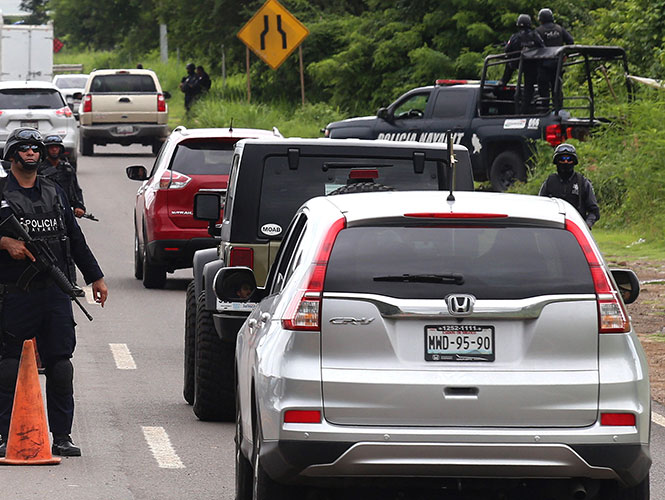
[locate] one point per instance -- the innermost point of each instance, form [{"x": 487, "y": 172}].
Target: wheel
[
  {"x": 506, "y": 168},
  {"x": 214, "y": 385},
  {"x": 156, "y": 147},
  {"x": 244, "y": 472},
  {"x": 87, "y": 147},
  {"x": 154, "y": 276},
  {"x": 138, "y": 258},
  {"x": 611, "y": 491},
  {"x": 190, "y": 342}
]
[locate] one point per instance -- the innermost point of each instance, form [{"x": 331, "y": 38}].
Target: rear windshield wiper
[
  {"x": 39, "y": 106},
  {"x": 451, "y": 278}
]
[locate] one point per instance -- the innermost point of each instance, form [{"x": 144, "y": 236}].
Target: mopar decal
[{"x": 271, "y": 229}]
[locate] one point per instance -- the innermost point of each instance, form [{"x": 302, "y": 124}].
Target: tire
[
  {"x": 611, "y": 491},
  {"x": 244, "y": 472},
  {"x": 214, "y": 384},
  {"x": 190, "y": 343},
  {"x": 361, "y": 187},
  {"x": 138, "y": 258},
  {"x": 154, "y": 276},
  {"x": 87, "y": 147},
  {"x": 507, "y": 168},
  {"x": 156, "y": 147}
]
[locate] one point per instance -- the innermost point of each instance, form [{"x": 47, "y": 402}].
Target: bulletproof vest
[
  {"x": 60, "y": 173},
  {"x": 552, "y": 34},
  {"x": 527, "y": 39},
  {"x": 573, "y": 195}
]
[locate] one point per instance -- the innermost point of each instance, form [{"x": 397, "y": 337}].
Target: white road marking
[
  {"x": 160, "y": 445},
  {"x": 123, "y": 358},
  {"x": 657, "y": 419}
]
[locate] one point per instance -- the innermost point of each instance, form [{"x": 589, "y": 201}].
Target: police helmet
[
  {"x": 190, "y": 67},
  {"x": 545, "y": 16},
  {"x": 563, "y": 150},
  {"x": 524, "y": 21},
  {"x": 20, "y": 136},
  {"x": 54, "y": 140}
]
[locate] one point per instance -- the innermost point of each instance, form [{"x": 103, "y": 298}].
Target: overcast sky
[{"x": 10, "y": 7}]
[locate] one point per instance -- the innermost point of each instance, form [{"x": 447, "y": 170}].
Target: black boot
[
  {"x": 63, "y": 446},
  {"x": 3, "y": 447}
]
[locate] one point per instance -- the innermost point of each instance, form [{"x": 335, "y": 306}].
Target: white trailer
[{"x": 26, "y": 51}]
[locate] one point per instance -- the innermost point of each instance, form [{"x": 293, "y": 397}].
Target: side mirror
[
  {"x": 137, "y": 172},
  {"x": 207, "y": 206},
  {"x": 166, "y": 94},
  {"x": 628, "y": 283},
  {"x": 234, "y": 284},
  {"x": 77, "y": 96},
  {"x": 384, "y": 114}
]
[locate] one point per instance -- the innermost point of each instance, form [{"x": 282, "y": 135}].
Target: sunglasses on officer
[
  {"x": 28, "y": 147},
  {"x": 565, "y": 158}
]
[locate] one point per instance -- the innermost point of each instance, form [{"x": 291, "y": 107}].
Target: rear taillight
[
  {"x": 161, "y": 103},
  {"x": 304, "y": 311},
  {"x": 554, "y": 134},
  {"x": 87, "y": 103},
  {"x": 64, "y": 112},
  {"x": 173, "y": 180},
  {"x": 241, "y": 256},
  {"x": 617, "y": 419},
  {"x": 612, "y": 316}
]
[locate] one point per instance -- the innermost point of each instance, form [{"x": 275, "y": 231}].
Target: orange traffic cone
[{"x": 28, "y": 442}]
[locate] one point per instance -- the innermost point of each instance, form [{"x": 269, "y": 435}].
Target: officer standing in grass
[
  {"x": 570, "y": 185},
  {"x": 43, "y": 310},
  {"x": 190, "y": 85}
]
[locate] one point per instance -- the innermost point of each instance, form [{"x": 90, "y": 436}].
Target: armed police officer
[
  {"x": 38, "y": 308},
  {"x": 190, "y": 85},
  {"x": 526, "y": 38},
  {"x": 553, "y": 35},
  {"x": 570, "y": 185},
  {"x": 56, "y": 168}
]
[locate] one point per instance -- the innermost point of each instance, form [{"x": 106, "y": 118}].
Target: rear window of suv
[
  {"x": 30, "y": 99},
  {"x": 283, "y": 189},
  {"x": 122, "y": 83},
  {"x": 203, "y": 157},
  {"x": 494, "y": 263}
]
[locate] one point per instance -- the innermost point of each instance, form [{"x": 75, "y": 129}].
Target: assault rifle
[
  {"x": 89, "y": 216},
  {"x": 45, "y": 261}
]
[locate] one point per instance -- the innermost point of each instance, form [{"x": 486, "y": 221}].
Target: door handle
[{"x": 124, "y": 99}]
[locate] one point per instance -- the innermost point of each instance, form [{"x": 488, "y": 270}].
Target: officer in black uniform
[
  {"x": 56, "y": 168},
  {"x": 570, "y": 185},
  {"x": 204, "y": 79},
  {"x": 554, "y": 36},
  {"x": 43, "y": 311},
  {"x": 525, "y": 38},
  {"x": 190, "y": 85}
]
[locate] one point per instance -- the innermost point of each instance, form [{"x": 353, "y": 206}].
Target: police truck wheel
[
  {"x": 87, "y": 147},
  {"x": 214, "y": 385},
  {"x": 138, "y": 258},
  {"x": 190, "y": 343},
  {"x": 154, "y": 276},
  {"x": 507, "y": 168}
]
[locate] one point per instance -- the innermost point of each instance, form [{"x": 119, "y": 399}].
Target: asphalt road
[{"x": 139, "y": 438}]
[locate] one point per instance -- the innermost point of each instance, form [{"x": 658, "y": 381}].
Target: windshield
[
  {"x": 71, "y": 82},
  {"x": 203, "y": 157},
  {"x": 30, "y": 99}
]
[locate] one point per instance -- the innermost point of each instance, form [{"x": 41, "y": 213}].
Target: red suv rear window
[{"x": 203, "y": 157}]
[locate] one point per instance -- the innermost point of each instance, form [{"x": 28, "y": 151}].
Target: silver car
[
  {"x": 71, "y": 85},
  {"x": 38, "y": 105},
  {"x": 481, "y": 343}
]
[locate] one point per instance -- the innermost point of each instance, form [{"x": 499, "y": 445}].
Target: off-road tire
[
  {"x": 190, "y": 343},
  {"x": 214, "y": 383},
  {"x": 87, "y": 147},
  {"x": 361, "y": 187},
  {"x": 507, "y": 168},
  {"x": 154, "y": 276}
]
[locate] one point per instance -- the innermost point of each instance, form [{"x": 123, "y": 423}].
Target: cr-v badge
[
  {"x": 460, "y": 305},
  {"x": 351, "y": 321}
]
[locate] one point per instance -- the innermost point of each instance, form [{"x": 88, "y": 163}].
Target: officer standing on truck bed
[
  {"x": 554, "y": 36},
  {"x": 43, "y": 310},
  {"x": 570, "y": 185}
]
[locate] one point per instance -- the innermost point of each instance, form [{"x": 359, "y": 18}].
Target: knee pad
[
  {"x": 60, "y": 376},
  {"x": 8, "y": 374}
]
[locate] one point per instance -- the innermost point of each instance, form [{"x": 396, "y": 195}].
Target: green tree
[{"x": 37, "y": 10}]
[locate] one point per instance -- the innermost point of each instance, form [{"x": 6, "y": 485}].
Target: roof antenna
[
  {"x": 231, "y": 126},
  {"x": 451, "y": 163}
]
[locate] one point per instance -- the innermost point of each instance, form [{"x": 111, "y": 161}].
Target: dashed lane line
[
  {"x": 123, "y": 358},
  {"x": 160, "y": 445},
  {"x": 657, "y": 419}
]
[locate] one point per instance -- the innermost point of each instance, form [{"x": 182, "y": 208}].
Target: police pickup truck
[{"x": 484, "y": 115}]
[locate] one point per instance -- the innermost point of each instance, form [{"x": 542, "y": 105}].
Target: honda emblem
[{"x": 460, "y": 305}]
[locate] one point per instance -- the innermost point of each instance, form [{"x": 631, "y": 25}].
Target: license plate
[
  {"x": 125, "y": 129},
  {"x": 459, "y": 343},
  {"x": 30, "y": 124}
]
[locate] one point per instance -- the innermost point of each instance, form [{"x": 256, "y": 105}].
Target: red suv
[{"x": 165, "y": 233}]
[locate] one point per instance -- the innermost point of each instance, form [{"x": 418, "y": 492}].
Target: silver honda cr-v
[{"x": 481, "y": 343}]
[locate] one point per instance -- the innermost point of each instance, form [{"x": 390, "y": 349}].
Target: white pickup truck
[{"x": 123, "y": 106}]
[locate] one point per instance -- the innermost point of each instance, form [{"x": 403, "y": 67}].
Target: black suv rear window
[
  {"x": 123, "y": 83},
  {"x": 30, "y": 99},
  {"x": 284, "y": 190},
  {"x": 494, "y": 263},
  {"x": 203, "y": 157}
]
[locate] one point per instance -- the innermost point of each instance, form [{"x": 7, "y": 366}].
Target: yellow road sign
[{"x": 273, "y": 33}]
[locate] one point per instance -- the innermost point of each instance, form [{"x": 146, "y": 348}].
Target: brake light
[
  {"x": 617, "y": 419},
  {"x": 304, "y": 311},
  {"x": 450, "y": 215},
  {"x": 302, "y": 417},
  {"x": 554, "y": 134},
  {"x": 87, "y": 103},
  {"x": 173, "y": 180},
  {"x": 241, "y": 256},
  {"x": 612, "y": 315},
  {"x": 64, "y": 111},
  {"x": 161, "y": 103},
  {"x": 364, "y": 173}
]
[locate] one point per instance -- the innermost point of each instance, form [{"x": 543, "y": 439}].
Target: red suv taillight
[
  {"x": 173, "y": 180},
  {"x": 161, "y": 103},
  {"x": 612, "y": 316},
  {"x": 64, "y": 111},
  {"x": 87, "y": 103},
  {"x": 304, "y": 311},
  {"x": 241, "y": 256},
  {"x": 554, "y": 134}
]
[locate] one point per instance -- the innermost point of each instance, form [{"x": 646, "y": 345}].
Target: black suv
[{"x": 269, "y": 180}]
